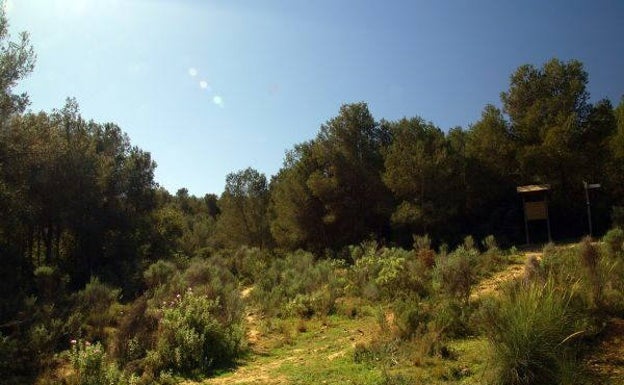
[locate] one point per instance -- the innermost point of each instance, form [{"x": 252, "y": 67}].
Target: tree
[
  {"x": 17, "y": 60},
  {"x": 243, "y": 204},
  {"x": 547, "y": 108},
  {"x": 347, "y": 180},
  {"x": 492, "y": 174},
  {"x": 296, "y": 214},
  {"x": 420, "y": 171}
]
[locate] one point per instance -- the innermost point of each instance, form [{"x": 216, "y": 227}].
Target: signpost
[{"x": 587, "y": 188}]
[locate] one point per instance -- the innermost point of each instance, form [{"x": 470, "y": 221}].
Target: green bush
[
  {"x": 410, "y": 318},
  {"x": 94, "y": 311},
  {"x": 390, "y": 273},
  {"x": 298, "y": 286},
  {"x": 532, "y": 330},
  {"x": 455, "y": 272},
  {"x": 614, "y": 240},
  {"x": 92, "y": 366},
  {"x": 159, "y": 273},
  {"x": 194, "y": 338}
]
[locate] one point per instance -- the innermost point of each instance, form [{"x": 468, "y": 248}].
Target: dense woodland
[{"x": 84, "y": 224}]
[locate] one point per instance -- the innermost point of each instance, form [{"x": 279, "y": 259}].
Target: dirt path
[
  {"x": 607, "y": 359},
  {"x": 493, "y": 284}
]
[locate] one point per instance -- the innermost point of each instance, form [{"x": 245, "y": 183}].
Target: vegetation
[{"x": 372, "y": 236}]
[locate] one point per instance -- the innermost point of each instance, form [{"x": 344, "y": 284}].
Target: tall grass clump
[
  {"x": 533, "y": 332},
  {"x": 590, "y": 260}
]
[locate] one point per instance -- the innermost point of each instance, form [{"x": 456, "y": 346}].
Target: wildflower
[
  {"x": 73, "y": 342},
  {"x": 178, "y": 295},
  {"x": 87, "y": 343}
]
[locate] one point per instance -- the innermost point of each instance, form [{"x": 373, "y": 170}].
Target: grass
[{"x": 324, "y": 354}]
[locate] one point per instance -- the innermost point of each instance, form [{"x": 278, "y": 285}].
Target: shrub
[
  {"x": 93, "y": 310},
  {"x": 92, "y": 367},
  {"x": 159, "y": 273},
  {"x": 614, "y": 240},
  {"x": 389, "y": 273},
  {"x": 532, "y": 332},
  {"x": 50, "y": 283},
  {"x": 455, "y": 272},
  {"x": 410, "y": 318},
  {"x": 193, "y": 339},
  {"x": 423, "y": 250},
  {"x": 533, "y": 271},
  {"x": 298, "y": 286}
]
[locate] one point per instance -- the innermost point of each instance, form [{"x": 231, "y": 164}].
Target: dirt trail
[
  {"x": 607, "y": 360},
  {"x": 494, "y": 283}
]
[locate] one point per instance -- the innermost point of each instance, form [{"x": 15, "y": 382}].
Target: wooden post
[
  {"x": 526, "y": 221},
  {"x": 547, "y": 218}
]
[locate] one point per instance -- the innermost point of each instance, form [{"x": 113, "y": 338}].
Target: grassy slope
[{"x": 322, "y": 352}]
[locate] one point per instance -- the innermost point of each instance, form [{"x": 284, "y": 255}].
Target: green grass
[{"x": 324, "y": 354}]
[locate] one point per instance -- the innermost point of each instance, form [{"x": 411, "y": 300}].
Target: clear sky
[{"x": 214, "y": 86}]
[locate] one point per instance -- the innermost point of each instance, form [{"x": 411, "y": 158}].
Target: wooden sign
[{"x": 535, "y": 210}]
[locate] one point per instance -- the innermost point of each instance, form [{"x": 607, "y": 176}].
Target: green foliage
[
  {"x": 92, "y": 366},
  {"x": 455, "y": 272},
  {"x": 78, "y": 201},
  {"x": 614, "y": 239},
  {"x": 298, "y": 286},
  {"x": 94, "y": 310},
  {"x": 418, "y": 170},
  {"x": 159, "y": 273},
  {"x": 388, "y": 273},
  {"x": 193, "y": 338},
  {"x": 244, "y": 208}
]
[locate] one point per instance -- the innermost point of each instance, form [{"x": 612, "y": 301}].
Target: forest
[{"x": 108, "y": 278}]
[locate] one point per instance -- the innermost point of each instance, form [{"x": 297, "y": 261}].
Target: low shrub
[
  {"x": 614, "y": 240},
  {"x": 193, "y": 338},
  {"x": 91, "y": 366},
  {"x": 298, "y": 286},
  {"x": 389, "y": 273},
  {"x": 93, "y": 311},
  {"x": 455, "y": 272}
]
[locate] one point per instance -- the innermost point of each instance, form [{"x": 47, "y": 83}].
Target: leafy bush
[
  {"x": 298, "y": 286},
  {"x": 455, "y": 272},
  {"x": 94, "y": 310},
  {"x": 92, "y": 366},
  {"x": 614, "y": 239},
  {"x": 194, "y": 338},
  {"x": 159, "y": 273},
  {"x": 389, "y": 273},
  {"x": 50, "y": 283}
]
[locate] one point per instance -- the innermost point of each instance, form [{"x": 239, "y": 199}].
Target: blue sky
[{"x": 212, "y": 87}]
